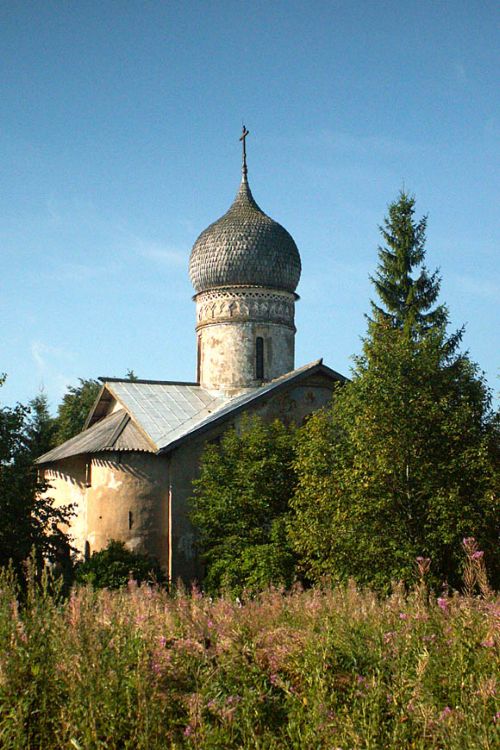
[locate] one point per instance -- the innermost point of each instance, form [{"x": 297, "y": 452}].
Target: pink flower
[
  {"x": 496, "y": 718},
  {"x": 188, "y": 731},
  {"x": 478, "y": 554},
  {"x": 442, "y": 603},
  {"x": 488, "y": 643},
  {"x": 445, "y": 713},
  {"x": 403, "y": 616}
]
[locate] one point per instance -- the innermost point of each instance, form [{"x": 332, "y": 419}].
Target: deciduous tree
[
  {"x": 74, "y": 408},
  {"x": 240, "y": 506},
  {"x": 28, "y": 518}
]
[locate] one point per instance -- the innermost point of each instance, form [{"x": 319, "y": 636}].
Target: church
[{"x": 129, "y": 473}]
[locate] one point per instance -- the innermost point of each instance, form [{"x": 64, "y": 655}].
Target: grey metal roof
[
  {"x": 245, "y": 247},
  {"x": 167, "y": 413},
  {"x": 162, "y": 409},
  {"x": 238, "y": 403},
  {"x": 115, "y": 432}
]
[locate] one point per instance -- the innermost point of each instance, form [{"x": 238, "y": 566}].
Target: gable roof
[
  {"x": 117, "y": 431},
  {"x": 156, "y": 416}
]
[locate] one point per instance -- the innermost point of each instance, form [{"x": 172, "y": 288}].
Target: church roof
[
  {"x": 158, "y": 416},
  {"x": 245, "y": 247},
  {"x": 117, "y": 431}
]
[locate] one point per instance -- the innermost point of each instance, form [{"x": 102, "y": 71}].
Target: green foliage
[
  {"x": 114, "y": 566},
  {"x": 407, "y": 300},
  {"x": 402, "y": 465},
  {"x": 325, "y": 668},
  {"x": 41, "y": 427},
  {"x": 240, "y": 505},
  {"x": 29, "y": 519},
  {"x": 74, "y": 409}
]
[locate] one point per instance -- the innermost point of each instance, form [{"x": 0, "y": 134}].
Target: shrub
[{"x": 115, "y": 566}]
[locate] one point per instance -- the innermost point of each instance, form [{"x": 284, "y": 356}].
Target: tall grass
[{"x": 322, "y": 668}]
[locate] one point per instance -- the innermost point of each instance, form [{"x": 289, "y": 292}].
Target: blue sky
[{"x": 119, "y": 144}]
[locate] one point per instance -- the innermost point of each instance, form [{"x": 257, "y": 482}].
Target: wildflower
[
  {"x": 388, "y": 636},
  {"x": 488, "y": 643},
  {"x": 478, "y": 554},
  {"x": 442, "y": 603},
  {"x": 188, "y": 731},
  {"x": 423, "y": 564},
  {"x": 447, "y": 711},
  {"x": 210, "y": 624},
  {"x": 403, "y": 616},
  {"x": 496, "y": 718}
]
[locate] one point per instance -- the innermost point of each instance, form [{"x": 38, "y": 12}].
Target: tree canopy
[
  {"x": 75, "y": 407},
  {"x": 402, "y": 464},
  {"x": 240, "y": 506},
  {"x": 29, "y": 518}
]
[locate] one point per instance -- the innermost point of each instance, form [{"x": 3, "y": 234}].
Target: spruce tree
[
  {"x": 402, "y": 465},
  {"x": 407, "y": 301}
]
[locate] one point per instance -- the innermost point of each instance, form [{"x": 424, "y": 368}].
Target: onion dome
[{"x": 245, "y": 248}]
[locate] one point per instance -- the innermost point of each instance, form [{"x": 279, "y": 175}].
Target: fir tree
[
  {"x": 403, "y": 464},
  {"x": 407, "y": 300}
]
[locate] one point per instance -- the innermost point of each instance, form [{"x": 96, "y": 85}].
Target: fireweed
[{"x": 140, "y": 669}]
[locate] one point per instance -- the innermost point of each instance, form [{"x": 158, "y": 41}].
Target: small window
[
  {"x": 198, "y": 361},
  {"x": 259, "y": 358},
  {"x": 130, "y": 519},
  {"x": 88, "y": 472}
]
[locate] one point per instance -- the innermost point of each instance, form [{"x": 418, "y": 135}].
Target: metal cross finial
[{"x": 243, "y": 136}]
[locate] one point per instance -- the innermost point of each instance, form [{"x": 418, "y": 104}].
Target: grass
[{"x": 322, "y": 668}]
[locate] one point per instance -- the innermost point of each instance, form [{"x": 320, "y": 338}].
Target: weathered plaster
[{"x": 228, "y": 324}]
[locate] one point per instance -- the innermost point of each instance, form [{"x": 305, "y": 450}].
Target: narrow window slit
[{"x": 259, "y": 358}]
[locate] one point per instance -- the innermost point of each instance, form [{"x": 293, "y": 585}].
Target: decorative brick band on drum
[{"x": 242, "y": 305}]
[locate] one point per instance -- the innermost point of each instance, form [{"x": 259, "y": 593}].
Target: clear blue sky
[{"x": 119, "y": 144}]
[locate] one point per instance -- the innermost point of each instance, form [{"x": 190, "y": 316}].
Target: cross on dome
[{"x": 243, "y": 136}]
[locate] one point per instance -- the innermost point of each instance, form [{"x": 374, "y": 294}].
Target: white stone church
[{"x": 129, "y": 472}]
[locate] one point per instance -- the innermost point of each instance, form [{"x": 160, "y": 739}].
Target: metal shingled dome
[{"x": 245, "y": 248}]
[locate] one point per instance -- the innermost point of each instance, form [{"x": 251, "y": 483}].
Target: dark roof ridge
[{"x": 144, "y": 381}]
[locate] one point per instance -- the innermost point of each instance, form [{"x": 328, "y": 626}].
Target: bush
[{"x": 114, "y": 566}]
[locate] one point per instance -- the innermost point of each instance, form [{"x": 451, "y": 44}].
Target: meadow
[{"x": 336, "y": 668}]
